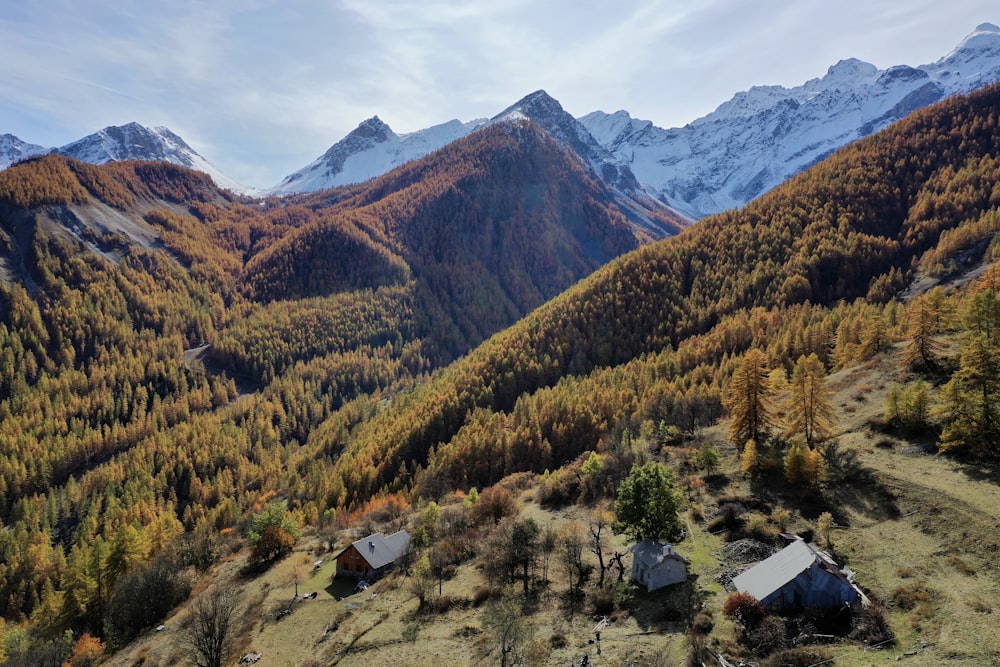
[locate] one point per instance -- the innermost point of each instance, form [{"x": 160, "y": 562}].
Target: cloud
[{"x": 261, "y": 87}]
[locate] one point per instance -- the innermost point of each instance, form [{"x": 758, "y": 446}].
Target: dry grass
[{"x": 920, "y": 531}]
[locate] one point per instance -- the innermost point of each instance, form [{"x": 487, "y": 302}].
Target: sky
[{"x": 260, "y": 88}]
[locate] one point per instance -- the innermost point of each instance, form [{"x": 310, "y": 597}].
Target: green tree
[
  {"x": 421, "y": 581},
  {"x": 274, "y": 514},
  {"x": 507, "y": 629},
  {"x": 648, "y": 504},
  {"x": 748, "y": 399},
  {"x": 969, "y": 409},
  {"x": 810, "y": 411}
]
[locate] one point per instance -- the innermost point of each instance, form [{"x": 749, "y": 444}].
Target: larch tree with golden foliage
[
  {"x": 810, "y": 411},
  {"x": 748, "y": 399},
  {"x": 923, "y": 323}
]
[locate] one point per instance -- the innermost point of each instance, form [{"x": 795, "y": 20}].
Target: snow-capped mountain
[
  {"x": 136, "y": 142},
  {"x": 374, "y": 149},
  {"x": 544, "y": 110},
  {"x": 13, "y": 149},
  {"x": 767, "y": 134},
  {"x": 641, "y": 208},
  {"x": 370, "y": 150}
]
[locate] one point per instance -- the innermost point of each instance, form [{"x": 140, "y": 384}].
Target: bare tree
[
  {"x": 210, "y": 632},
  {"x": 600, "y": 519}
]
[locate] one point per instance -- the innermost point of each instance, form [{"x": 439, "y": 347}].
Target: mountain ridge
[
  {"x": 115, "y": 143},
  {"x": 762, "y": 136}
]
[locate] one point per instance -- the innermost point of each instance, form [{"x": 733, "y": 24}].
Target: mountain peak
[
  {"x": 374, "y": 125},
  {"x": 536, "y": 105},
  {"x": 984, "y": 40},
  {"x": 13, "y": 149},
  {"x": 133, "y": 141}
]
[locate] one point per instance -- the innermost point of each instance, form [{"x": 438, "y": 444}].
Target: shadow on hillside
[
  {"x": 668, "y": 609},
  {"x": 980, "y": 471},
  {"x": 851, "y": 484},
  {"x": 342, "y": 587}
]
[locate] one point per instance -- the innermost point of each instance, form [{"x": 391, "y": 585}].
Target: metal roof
[
  {"x": 773, "y": 573},
  {"x": 652, "y": 553},
  {"x": 379, "y": 550}
]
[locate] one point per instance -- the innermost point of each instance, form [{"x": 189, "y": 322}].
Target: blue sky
[{"x": 260, "y": 88}]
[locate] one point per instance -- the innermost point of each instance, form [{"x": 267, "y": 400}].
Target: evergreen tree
[
  {"x": 810, "y": 412},
  {"x": 748, "y": 399},
  {"x": 970, "y": 409},
  {"x": 923, "y": 324}
]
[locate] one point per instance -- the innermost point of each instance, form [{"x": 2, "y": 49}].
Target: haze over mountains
[{"x": 748, "y": 145}]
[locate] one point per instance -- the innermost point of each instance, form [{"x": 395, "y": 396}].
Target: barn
[
  {"x": 371, "y": 557},
  {"x": 656, "y": 565},
  {"x": 799, "y": 576}
]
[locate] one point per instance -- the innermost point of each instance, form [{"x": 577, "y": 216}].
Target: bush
[
  {"x": 805, "y": 656},
  {"x": 703, "y": 623},
  {"x": 494, "y": 504},
  {"x": 142, "y": 598},
  {"x": 745, "y": 609},
  {"x": 768, "y": 637},
  {"x": 728, "y": 518},
  {"x": 760, "y": 529},
  {"x": 910, "y": 596},
  {"x": 603, "y": 600},
  {"x": 872, "y": 626},
  {"x": 480, "y": 596}
]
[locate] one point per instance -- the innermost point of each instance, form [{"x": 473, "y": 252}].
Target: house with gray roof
[
  {"x": 656, "y": 565},
  {"x": 371, "y": 557},
  {"x": 799, "y": 576}
]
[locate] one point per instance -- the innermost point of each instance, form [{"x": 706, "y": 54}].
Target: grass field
[{"x": 921, "y": 532}]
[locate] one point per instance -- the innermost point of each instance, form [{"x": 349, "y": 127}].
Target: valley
[{"x": 207, "y": 397}]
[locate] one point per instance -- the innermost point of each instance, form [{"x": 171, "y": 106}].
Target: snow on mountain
[
  {"x": 643, "y": 210},
  {"x": 767, "y": 134},
  {"x": 136, "y": 142},
  {"x": 374, "y": 149},
  {"x": 544, "y": 110},
  {"x": 13, "y": 149},
  {"x": 368, "y": 151}
]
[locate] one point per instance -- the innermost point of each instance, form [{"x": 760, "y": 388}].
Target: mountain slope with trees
[
  {"x": 130, "y": 449},
  {"x": 851, "y": 228}
]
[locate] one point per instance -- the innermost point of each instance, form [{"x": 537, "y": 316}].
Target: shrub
[
  {"x": 703, "y": 623},
  {"x": 480, "y": 595},
  {"x": 769, "y": 636},
  {"x": 745, "y": 609},
  {"x": 143, "y": 597},
  {"x": 908, "y": 597},
  {"x": 494, "y": 504},
  {"x": 872, "y": 626},
  {"x": 603, "y": 600},
  {"x": 804, "y": 656},
  {"x": 760, "y": 529},
  {"x": 728, "y": 518}
]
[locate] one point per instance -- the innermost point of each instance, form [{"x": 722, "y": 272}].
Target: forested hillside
[
  {"x": 853, "y": 228},
  {"x": 174, "y": 358},
  {"x": 139, "y": 301}
]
